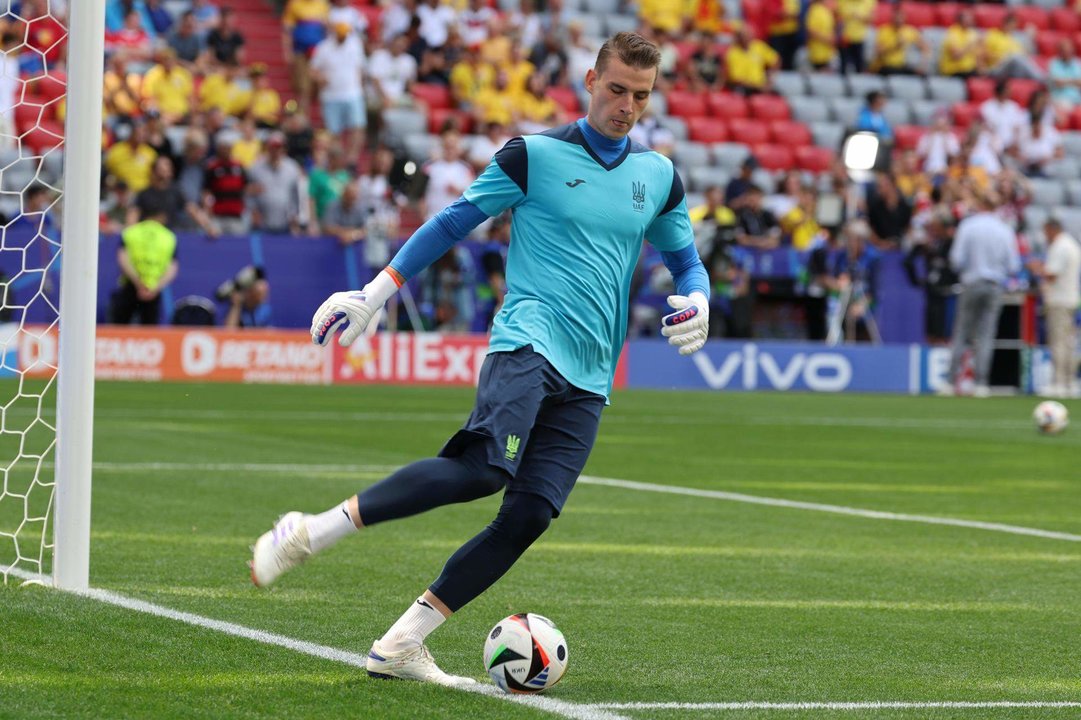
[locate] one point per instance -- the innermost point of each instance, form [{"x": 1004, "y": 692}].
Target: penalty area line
[{"x": 323, "y": 652}]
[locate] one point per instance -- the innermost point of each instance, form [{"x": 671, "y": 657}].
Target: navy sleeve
[
  {"x": 503, "y": 183},
  {"x": 675, "y": 194},
  {"x": 687, "y": 270},
  {"x": 432, "y": 239},
  {"x": 514, "y": 160}
]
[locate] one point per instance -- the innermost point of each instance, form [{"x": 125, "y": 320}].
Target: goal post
[{"x": 78, "y": 295}]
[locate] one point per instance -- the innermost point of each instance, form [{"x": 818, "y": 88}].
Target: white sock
[
  {"x": 329, "y": 527},
  {"x": 412, "y": 627}
]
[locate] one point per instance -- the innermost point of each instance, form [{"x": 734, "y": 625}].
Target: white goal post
[{"x": 78, "y": 294}]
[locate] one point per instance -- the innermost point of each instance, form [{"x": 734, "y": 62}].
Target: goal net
[{"x": 35, "y": 60}]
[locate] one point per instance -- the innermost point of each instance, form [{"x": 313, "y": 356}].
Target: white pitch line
[
  {"x": 869, "y": 705},
  {"x": 837, "y": 509},
  {"x": 324, "y": 652}
]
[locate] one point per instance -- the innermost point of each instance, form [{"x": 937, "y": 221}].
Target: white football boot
[
  {"x": 415, "y": 663},
  {"x": 282, "y": 548}
]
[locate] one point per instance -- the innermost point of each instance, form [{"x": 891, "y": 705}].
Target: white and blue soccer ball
[
  {"x": 525, "y": 653},
  {"x": 1051, "y": 417}
]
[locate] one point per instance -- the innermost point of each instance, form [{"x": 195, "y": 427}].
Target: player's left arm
[{"x": 672, "y": 234}]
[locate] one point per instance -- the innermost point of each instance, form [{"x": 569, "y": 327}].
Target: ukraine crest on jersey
[{"x": 577, "y": 230}]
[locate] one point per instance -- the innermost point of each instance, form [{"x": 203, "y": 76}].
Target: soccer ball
[
  {"x": 525, "y": 653},
  {"x": 1051, "y": 417}
]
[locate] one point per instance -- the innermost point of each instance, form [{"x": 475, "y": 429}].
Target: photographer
[{"x": 247, "y": 293}]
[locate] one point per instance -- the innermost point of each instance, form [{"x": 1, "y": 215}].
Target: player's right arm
[{"x": 502, "y": 185}]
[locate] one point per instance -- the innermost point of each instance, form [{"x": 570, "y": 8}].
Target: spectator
[
  {"x": 1004, "y": 55},
  {"x": 436, "y": 20},
  {"x": 710, "y": 18},
  {"x": 468, "y": 77},
  {"x": 276, "y": 190},
  {"x": 345, "y": 216},
  {"x": 484, "y": 147},
  {"x": 871, "y": 119},
  {"x": 650, "y": 132},
  {"x": 961, "y": 48},
  {"x": 1061, "y": 275},
  {"x": 304, "y": 25},
  {"x": 985, "y": 255},
  {"x": 225, "y": 42},
  {"x": 148, "y": 264},
  {"x": 938, "y": 146},
  {"x": 448, "y": 175},
  {"x": 1038, "y": 145},
  {"x": 821, "y": 34},
  {"x": 822, "y": 283},
  {"x": 888, "y": 213},
  {"x": 190, "y": 170},
  {"x": 115, "y": 204},
  {"x": 448, "y": 291},
  {"x": 855, "y": 16},
  {"x": 915, "y": 185},
  {"x": 713, "y": 223},
  {"x": 1002, "y": 116},
  {"x": 550, "y": 58},
  {"x": 433, "y": 67},
  {"x": 581, "y": 53},
  {"x": 122, "y": 91},
  {"x": 534, "y": 110},
  {"x": 132, "y": 159},
  {"x": 493, "y": 264},
  {"x": 168, "y": 87},
  {"x": 892, "y": 44},
  {"x": 222, "y": 90},
  {"x": 928, "y": 266},
  {"x": 758, "y": 227},
  {"x": 800, "y": 224},
  {"x": 1064, "y": 77},
  {"x": 206, "y": 16},
  {"x": 249, "y": 147},
  {"x": 131, "y": 41},
  {"x": 248, "y": 295},
  {"x": 299, "y": 137},
  {"x": 749, "y": 64},
  {"x": 338, "y": 65},
  {"x": 265, "y": 105},
  {"x": 225, "y": 185},
  {"x": 327, "y": 183},
  {"x": 396, "y": 18},
  {"x": 738, "y": 186},
  {"x": 163, "y": 198},
  {"x": 661, "y": 15},
  {"x": 854, "y": 273},
  {"x": 496, "y": 49},
  {"x": 379, "y": 197},
  {"x": 35, "y": 218},
  {"x": 187, "y": 43},
  {"x": 160, "y": 19},
  {"x": 473, "y": 22},
  {"x": 705, "y": 65},
  {"x": 341, "y": 11},
  {"x": 981, "y": 149},
  {"x": 392, "y": 72},
  {"x": 495, "y": 104},
  {"x": 783, "y": 32},
  {"x": 786, "y": 195}
]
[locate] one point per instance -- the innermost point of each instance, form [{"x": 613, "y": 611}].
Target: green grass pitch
[{"x": 663, "y": 597}]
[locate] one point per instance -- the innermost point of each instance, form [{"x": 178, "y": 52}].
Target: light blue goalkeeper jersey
[{"x": 576, "y": 235}]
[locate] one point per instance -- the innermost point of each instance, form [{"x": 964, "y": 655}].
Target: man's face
[{"x": 618, "y": 97}]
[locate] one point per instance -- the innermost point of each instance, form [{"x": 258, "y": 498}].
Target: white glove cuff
[
  {"x": 699, "y": 299},
  {"x": 381, "y": 288}
]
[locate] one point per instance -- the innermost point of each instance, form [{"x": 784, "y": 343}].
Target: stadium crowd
[{"x": 393, "y": 108}]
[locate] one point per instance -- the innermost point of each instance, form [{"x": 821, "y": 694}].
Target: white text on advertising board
[{"x": 759, "y": 369}]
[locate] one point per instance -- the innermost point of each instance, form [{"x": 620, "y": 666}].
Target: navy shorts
[{"x": 534, "y": 424}]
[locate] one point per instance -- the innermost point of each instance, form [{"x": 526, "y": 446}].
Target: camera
[{"x": 244, "y": 279}]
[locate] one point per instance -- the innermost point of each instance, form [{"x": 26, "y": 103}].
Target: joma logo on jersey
[
  {"x": 513, "y": 442},
  {"x": 638, "y": 196}
]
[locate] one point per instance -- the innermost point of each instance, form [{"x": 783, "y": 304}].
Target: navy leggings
[{"x": 435, "y": 482}]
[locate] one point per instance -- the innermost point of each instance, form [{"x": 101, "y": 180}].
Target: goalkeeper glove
[
  {"x": 687, "y": 327},
  {"x": 352, "y": 312}
]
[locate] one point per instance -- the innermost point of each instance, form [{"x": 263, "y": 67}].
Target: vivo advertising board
[{"x": 742, "y": 366}]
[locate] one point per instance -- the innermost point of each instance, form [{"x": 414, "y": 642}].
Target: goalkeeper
[{"x": 583, "y": 198}]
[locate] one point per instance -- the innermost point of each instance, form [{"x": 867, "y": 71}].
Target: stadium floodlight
[
  {"x": 78, "y": 295},
  {"x": 860, "y": 154}
]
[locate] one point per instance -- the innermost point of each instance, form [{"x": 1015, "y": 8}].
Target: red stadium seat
[
  {"x": 774, "y": 157},
  {"x": 748, "y": 132},
  {"x": 728, "y": 105},
  {"x": 964, "y": 113},
  {"x": 919, "y": 14},
  {"x": 989, "y": 16},
  {"x": 980, "y": 89},
  {"x": 684, "y": 50},
  {"x": 790, "y": 132},
  {"x": 946, "y": 13},
  {"x": 707, "y": 129},
  {"x": 1021, "y": 90},
  {"x": 883, "y": 14},
  {"x": 436, "y": 97},
  {"x": 1047, "y": 42},
  {"x": 685, "y": 104},
  {"x": 374, "y": 15},
  {"x": 1066, "y": 20},
  {"x": 47, "y": 135},
  {"x": 29, "y": 112},
  {"x": 769, "y": 107},
  {"x": 50, "y": 87},
  {"x": 439, "y": 116},
  {"x": 907, "y": 137},
  {"x": 565, "y": 98},
  {"x": 1075, "y": 118},
  {"x": 814, "y": 159},
  {"x": 1028, "y": 15}
]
